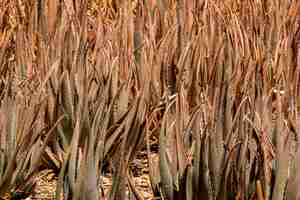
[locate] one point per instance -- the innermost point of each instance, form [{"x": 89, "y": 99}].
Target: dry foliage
[{"x": 84, "y": 85}]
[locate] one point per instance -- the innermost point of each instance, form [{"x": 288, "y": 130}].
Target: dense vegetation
[{"x": 84, "y": 85}]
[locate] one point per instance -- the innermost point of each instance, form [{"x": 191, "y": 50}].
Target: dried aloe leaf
[{"x": 165, "y": 165}]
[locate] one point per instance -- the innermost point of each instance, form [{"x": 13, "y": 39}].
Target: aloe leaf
[{"x": 164, "y": 165}]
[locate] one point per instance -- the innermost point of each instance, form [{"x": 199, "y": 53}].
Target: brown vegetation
[{"x": 85, "y": 85}]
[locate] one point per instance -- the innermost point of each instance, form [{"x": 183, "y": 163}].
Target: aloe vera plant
[{"x": 86, "y": 85}]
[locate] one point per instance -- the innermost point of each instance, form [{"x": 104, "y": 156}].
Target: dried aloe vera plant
[{"x": 85, "y": 85}]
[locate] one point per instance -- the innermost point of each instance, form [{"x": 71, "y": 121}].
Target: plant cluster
[{"x": 85, "y": 84}]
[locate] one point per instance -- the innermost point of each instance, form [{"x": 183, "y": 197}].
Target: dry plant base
[{"x": 46, "y": 181}]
